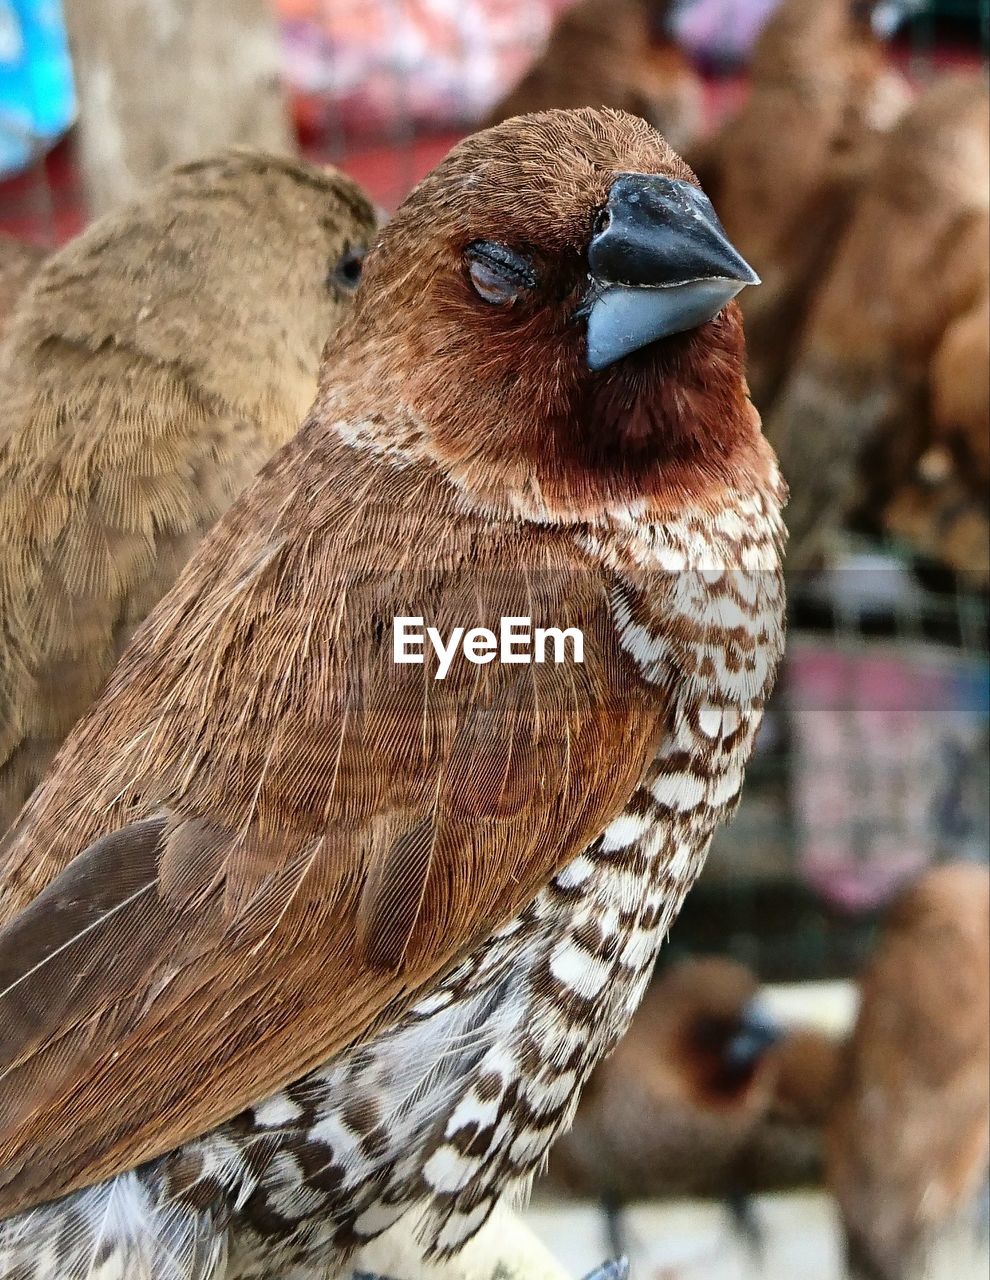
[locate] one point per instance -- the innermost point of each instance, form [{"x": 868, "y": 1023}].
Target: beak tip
[{"x": 744, "y": 276}]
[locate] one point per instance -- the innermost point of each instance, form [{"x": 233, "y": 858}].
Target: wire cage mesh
[{"x": 875, "y": 756}]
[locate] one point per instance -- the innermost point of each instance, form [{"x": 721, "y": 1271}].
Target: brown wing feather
[{"x": 334, "y": 828}]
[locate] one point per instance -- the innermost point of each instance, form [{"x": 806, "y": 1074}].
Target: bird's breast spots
[{"x": 516, "y": 641}]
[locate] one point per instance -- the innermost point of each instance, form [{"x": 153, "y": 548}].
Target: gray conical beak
[
  {"x": 758, "y": 1031},
  {"x": 660, "y": 264}
]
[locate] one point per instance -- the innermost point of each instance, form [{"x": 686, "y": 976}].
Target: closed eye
[{"x": 498, "y": 274}]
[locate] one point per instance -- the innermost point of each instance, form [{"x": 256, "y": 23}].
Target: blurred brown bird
[
  {"x": 310, "y": 938},
  {"x": 936, "y": 514},
  {"x": 941, "y": 511},
  {"x": 909, "y": 1136},
  {"x": 614, "y": 53},
  {"x": 668, "y": 1113},
  {"x": 960, "y": 392},
  {"x": 783, "y": 171},
  {"x": 155, "y": 363},
  {"x": 18, "y": 263},
  {"x": 853, "y": 421},
  {"x": 786, "y": 1148}
]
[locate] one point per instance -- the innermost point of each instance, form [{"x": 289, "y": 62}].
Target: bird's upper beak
[
  {"x": 660, "y": 264},
  {"x": 757, "y": 1032}
]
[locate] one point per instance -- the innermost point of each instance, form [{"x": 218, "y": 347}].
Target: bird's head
[
  {"x": 725, "y": 1031},
  {"x": 231, "y": 268},
  {"x": 557, "y": 298},
  {"x": 273, "y": 248}
]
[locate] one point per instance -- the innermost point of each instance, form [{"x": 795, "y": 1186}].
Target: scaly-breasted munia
[{"x": 301, "y": 939}]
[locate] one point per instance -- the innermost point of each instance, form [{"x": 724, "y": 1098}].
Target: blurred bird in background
[
  {"x": 707, "y": 1095},
  {"x": 668, "y": 1113},
  {"x": 941, "y": 511},
  {"x": 614, "y": 53},
  {"x": 785, "y": 1149},
  {"x": 960, "y": 397},
  {"x": 909, "y": 1136},
  {"x": 784, "y": 170},
  {"x": 151, "y": 368},
  {"x": 893, "y": 360},
  {"x": 18, "y": 263}
]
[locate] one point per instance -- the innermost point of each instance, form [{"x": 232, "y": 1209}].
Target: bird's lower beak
[
  {"x": 758, "y": 1031},
  {"x": 660, "y": 264}
]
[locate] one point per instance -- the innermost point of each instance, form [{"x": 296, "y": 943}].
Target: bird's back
[
  {"x": 909, "y": 1135},
  {"x": 112, "y": 467}
]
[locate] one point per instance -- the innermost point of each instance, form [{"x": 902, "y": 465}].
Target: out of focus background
[{"x": 845, "y": 145}]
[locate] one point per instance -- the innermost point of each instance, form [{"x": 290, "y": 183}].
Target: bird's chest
[{"x": 458, "y": 1099}]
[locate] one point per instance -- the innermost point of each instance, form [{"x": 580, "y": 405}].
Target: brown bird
[
  {"x": 960, "y": 392},
  {"x": 936, "y": 514},
  {"x": 786, "y": 1148},
  {"x": 909, "y": 1138},
  {"x": 155, "y": 363},
  {"x": 18, "y": 263},
  {"x": 300, "y": 937},
  {"x": 669, "y": 1111},
  {"x": 614, "y": 53},
  {"x": 853, "y": 421},
  {"x": 784, "y": 170},
  {"x": 942, "y": 510}
]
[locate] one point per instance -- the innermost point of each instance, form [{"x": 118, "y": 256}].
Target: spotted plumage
[{"x": 398, "y": 922}]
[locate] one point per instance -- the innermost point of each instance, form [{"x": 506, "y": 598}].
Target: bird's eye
[
  {"x": 345, "y": 273},
  {"x": 498, "y": 273}
]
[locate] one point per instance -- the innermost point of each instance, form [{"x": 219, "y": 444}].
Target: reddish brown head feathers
[{"x": 502, "y": 393}]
